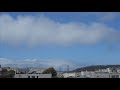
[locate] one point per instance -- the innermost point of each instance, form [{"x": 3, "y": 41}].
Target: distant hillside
[{"x": 96, "y": 67}]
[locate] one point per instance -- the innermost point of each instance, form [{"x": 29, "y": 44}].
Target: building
[
  {"x": 69, "y": 75},
  {"x": 86, "y": 73},
  {"x": 115, "y": 75},
  {"x": 100, "y": 75},
  {"x": 105, "y": 75},
  {"x": 33, "y": 76}
]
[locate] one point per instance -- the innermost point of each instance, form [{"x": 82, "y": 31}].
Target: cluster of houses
[
  {"x": 38, "y": 73},
  {"x": 101, "y": 73}
]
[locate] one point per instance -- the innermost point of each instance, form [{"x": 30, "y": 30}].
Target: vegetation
[
  {"x": 7, "y": 74},
  {"x": 52, "y": 71}
]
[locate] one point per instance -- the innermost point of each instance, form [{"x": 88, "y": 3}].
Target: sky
[{"x": 60, "y": 38}]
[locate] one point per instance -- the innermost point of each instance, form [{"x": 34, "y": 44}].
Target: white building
[
  {"x": 84, "y": 73},
  {"x": 33, "y": 76},
  {"x": 104, "y": 70},
  {"x": 67, "y": 75}
]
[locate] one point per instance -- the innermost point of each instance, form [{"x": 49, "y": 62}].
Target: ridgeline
[{"x": 95, "y": 67}]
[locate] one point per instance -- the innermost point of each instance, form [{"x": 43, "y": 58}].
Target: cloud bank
[
  {"x": 41, "y": 63},
  {"x": 38, "y": 30}
]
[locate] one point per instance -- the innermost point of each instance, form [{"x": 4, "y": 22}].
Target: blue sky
[{"x": 78, "y": 37}]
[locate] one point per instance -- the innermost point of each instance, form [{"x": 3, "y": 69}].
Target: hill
[{"x": 95, "y": 67}]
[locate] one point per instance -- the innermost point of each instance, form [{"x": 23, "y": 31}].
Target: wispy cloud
[
  {"x": 107, "y": 16},
  {"x": 37, "y": 30}
]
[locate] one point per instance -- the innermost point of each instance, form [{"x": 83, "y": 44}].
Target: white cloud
[{"x": 37, "y": 30}]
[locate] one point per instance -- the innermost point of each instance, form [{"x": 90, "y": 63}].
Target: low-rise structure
[
  {"x": 69, "y": 75},
  {"x": 106, "y": 75},
  {"x": 66, "y": 75},
  {"x": 33, "y": 76}
]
